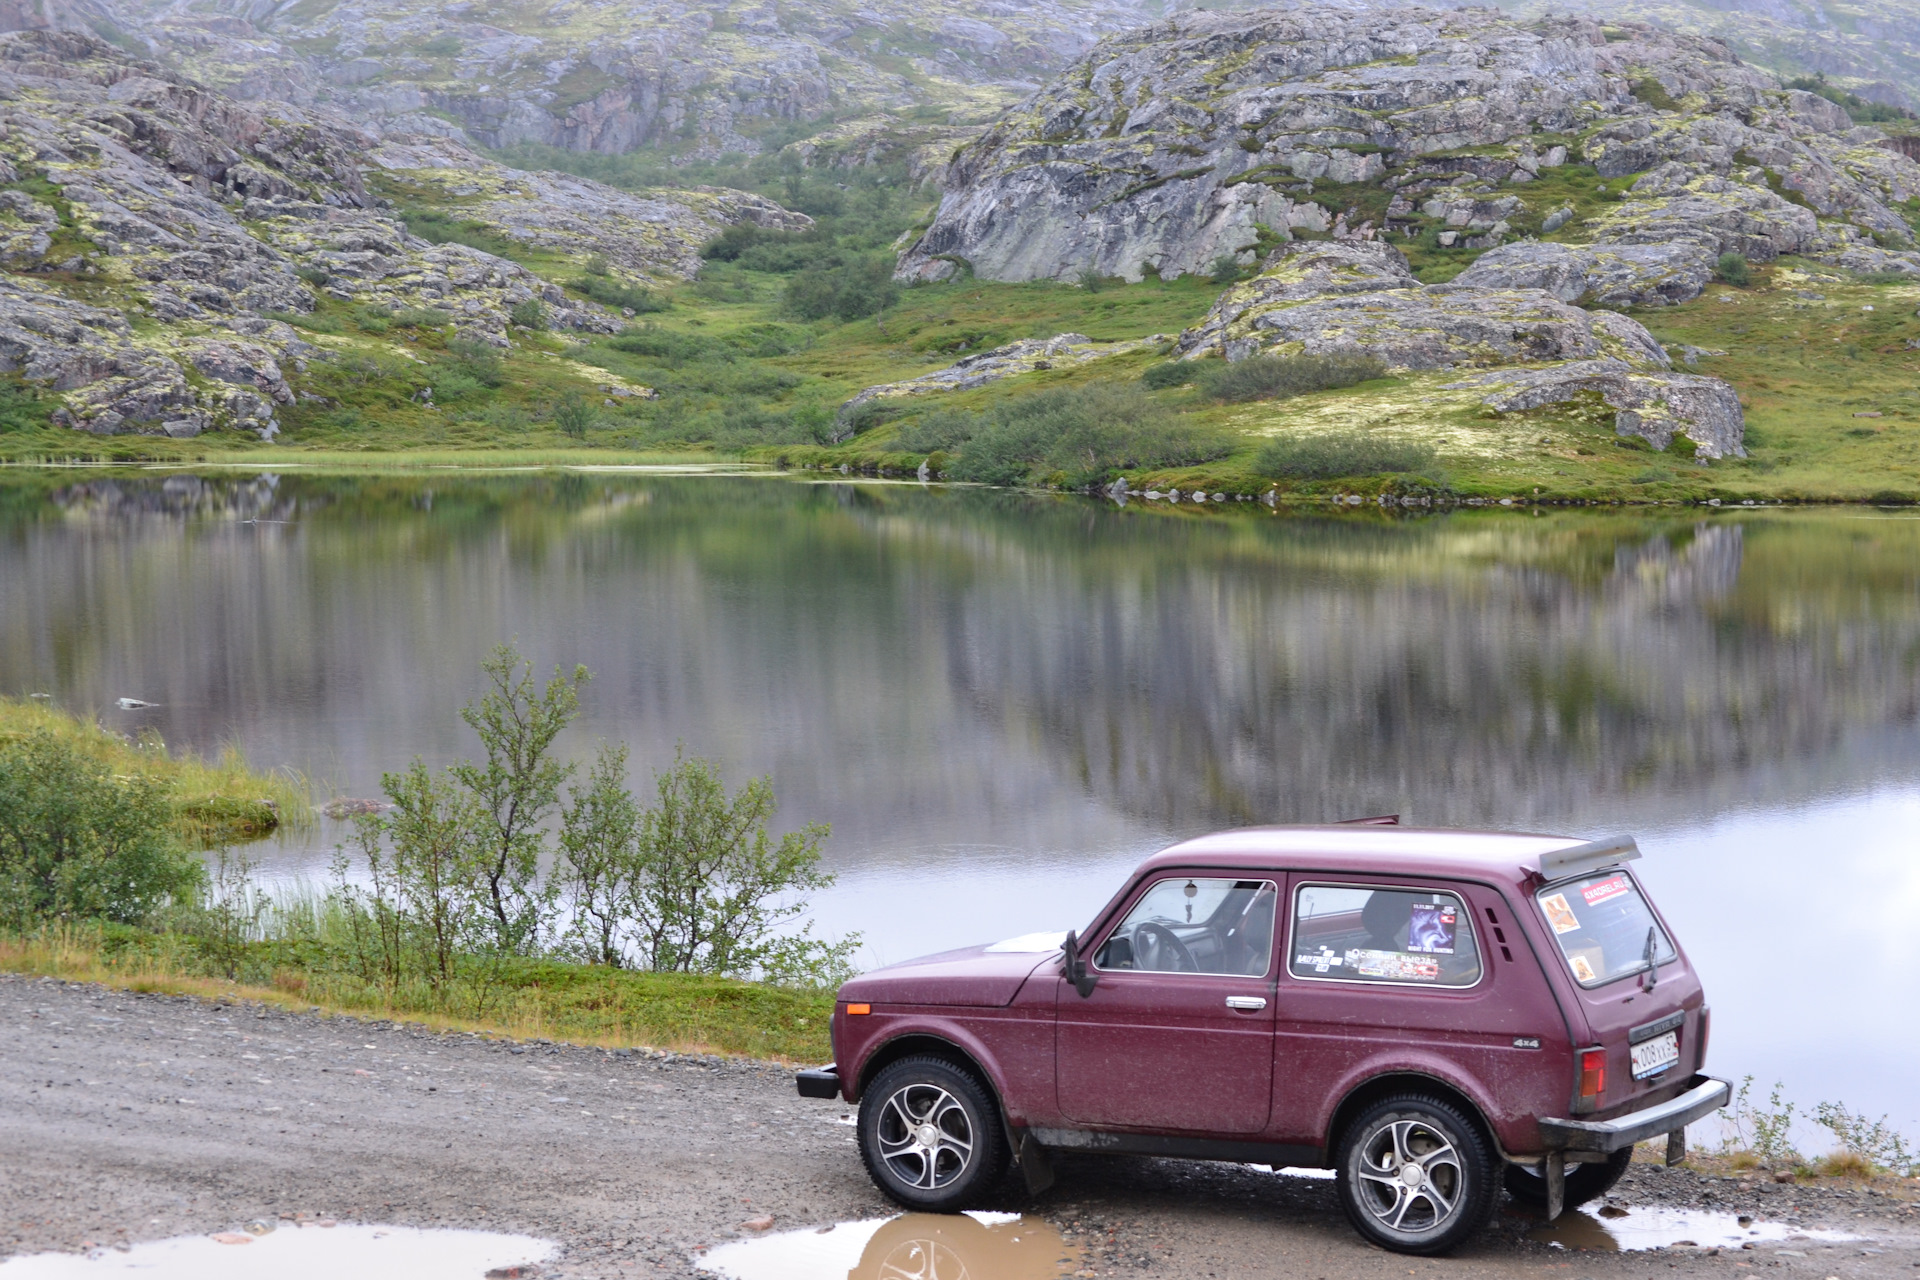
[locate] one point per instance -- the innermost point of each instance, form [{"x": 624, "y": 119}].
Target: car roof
[{"x": 1503, "y": 856}]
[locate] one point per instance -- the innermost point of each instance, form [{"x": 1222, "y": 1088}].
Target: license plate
[{"x": 1651, "y": 1057}]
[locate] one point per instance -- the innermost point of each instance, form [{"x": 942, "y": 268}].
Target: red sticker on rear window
[{"x": 1601, "y": 890}]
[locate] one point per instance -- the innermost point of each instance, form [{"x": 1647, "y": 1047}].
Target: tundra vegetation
[{"x": 513, "y": 891}]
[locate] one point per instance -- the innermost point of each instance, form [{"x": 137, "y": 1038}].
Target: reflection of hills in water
[{"x": 937, "y": 668}]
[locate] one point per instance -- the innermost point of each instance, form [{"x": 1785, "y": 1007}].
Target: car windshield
[{"x": 1603, "y": 926}]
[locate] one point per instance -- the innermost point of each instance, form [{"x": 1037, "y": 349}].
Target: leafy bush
[
  {"x": 1877, "y": 1144},
  {"x": 441, "y": 228},
  {"x": 1766, "y": 1131},
  {"x": 1226, "y": 269},
  {"x": 608, "y": 292},
  {"x": 1326, "y": 457},
  {"x": 530, "y": 313},
  {"x": 422, "y": 318},
  {"x": 22, "y": 409},
  {"x": 373, "y": 319},
  {"x": 79, "y": 842},
  {"x": 940, "y": 431},
  {"x": 852, "y": 291},
  {"x": 1277, "y": 377},
  {"x": 477, "y": 360},
  {"x": 1732, "y": 269},
  {"x": 1081, "y": 434},
  {"x": 1169, "y": 373},
  {"x": 316, "y": 323},
  {"x": 664, "y": 344},
  {"x": 573, "y": 415}
]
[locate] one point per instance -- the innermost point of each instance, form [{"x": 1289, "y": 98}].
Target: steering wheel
[{"x": 1159, "y": 949}]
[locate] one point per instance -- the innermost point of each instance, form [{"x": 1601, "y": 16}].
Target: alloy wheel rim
[
  {"x": 925, "y": 1137},
  {"x": 1409, "y": 1176}
]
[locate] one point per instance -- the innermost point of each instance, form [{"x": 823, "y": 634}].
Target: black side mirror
[{"x": 1076, "y": 966}]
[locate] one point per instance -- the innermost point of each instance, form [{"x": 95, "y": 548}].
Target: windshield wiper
[{"x": 1648, "y": 958}]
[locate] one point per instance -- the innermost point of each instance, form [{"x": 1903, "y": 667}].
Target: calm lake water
[{"x": 1001, "y": 702}]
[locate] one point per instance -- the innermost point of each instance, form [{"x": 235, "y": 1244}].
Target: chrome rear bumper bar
[{"x": 1702, "y": 1098}]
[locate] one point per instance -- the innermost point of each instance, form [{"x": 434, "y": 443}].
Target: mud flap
[
  {"x": 1034, "y": 1165},
  {"x": 1676, "y": 1147},
  {"x": 1555, "y": 1171}
]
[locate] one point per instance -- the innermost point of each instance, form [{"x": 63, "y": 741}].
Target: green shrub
[
  {"x": 1226, "y": 269},
  {"x": 530, "y": 313},
  {"x": 597, "y": 265},
  {"x": 940, "y": 431},
  {"x": 1329, "y": 456},
  {"x": 422, "y": 318},
  {"x": 79, "y": 842},
  {"x": 1082, "y": 434},
  {"x": 852, "y": 291},
  {"x": 311, "y": 323},
  {"x": 1732, "y": 269},
  {"x": 22, "y": 409},
  {"x": 1170, "y": 373},
  {"x": 574, "y": 415},
  {"x": 373, "y": 319},
  {"x": 1277, "y": 377},
  {"x": 609, "y": 292},
  {"x": 1654, "y": 94},
  {"x": 665, "y": 344},
  {"x": 477, "y": 360},
  {"x": 440, "y": 228}
]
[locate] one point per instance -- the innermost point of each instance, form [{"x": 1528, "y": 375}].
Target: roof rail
[
  {"x": 1591, "y": 856},
  {"x": 1384, "y": 820}
]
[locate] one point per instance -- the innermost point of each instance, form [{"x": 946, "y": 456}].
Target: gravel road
[{"x": 131, "y": 1117}]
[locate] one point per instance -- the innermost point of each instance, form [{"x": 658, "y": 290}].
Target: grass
[
  {"x": 215, "y": 801},
  {"x": 583, "y": 1004}
]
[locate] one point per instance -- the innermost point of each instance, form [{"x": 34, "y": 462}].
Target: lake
[{"x": 1001, "y": 701}]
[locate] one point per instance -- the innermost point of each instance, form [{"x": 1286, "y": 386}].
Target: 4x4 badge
[{"x": 1526, "y": 1042}]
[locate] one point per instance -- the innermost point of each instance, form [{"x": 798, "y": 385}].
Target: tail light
[
  {"x": 1593, "y": 1072},
  {"x": 1706, "y": 1023}
]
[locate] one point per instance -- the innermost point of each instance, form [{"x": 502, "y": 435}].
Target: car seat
[{"x": 1385, "y": 918}]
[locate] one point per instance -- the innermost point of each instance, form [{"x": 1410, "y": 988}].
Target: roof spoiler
[
  {"x": 1384, "y": 820},
  {"x": 1591, "y": 856}
]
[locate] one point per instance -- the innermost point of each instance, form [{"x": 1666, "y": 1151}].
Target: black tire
[
  {"x": 931, "y": 1135},
  {"x": 1585, "y": 1182},
  {"x": 1399, "y": 1140}
]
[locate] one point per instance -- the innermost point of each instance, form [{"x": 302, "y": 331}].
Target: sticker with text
[
  {"x": 1319, "y": 961},
  {"x": 1581, "y": 969},
  {"x": 1432, "y": 928},
  {"x": 1396, "y": 966},
  {"x": 1602, "y": 890}
]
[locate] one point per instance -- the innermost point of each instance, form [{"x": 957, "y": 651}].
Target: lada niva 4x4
[{"x": 1430, "y": 1014}]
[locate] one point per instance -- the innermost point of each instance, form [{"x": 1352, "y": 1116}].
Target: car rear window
[
  {"x": 1603, "y": 925},
  {"x": 1364, "y": 933}
]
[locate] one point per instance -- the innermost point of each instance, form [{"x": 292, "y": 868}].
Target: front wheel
[
  {"x": 1585, "y": 1182},
  {"x": 930, "y": 1135},
  {"x": 1415, "y": 1175}
]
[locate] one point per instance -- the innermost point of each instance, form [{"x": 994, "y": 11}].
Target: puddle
[
  {"x": 1654, "y": 1227},
  {"x": 291, "y": 1253},
  {"x": 913, "y": 1246}
]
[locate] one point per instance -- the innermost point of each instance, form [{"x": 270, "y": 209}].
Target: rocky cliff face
[
  {"x": 1211, "y": 133},
  {"x": 1217, "y": 136},
  {"x": 151, "y": 231},
  {"x": 686, "y": 79}
]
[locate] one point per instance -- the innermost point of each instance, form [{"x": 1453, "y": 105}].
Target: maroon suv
[{"x": 1428, "y": 1013}]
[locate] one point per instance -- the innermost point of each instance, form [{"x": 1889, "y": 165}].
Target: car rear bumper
[
  {"x": 1703, "y": 1096},
  {"x": 818, "y": 1082}
]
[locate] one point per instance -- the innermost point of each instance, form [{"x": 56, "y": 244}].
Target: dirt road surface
[{"x": 128, "y": 1117}]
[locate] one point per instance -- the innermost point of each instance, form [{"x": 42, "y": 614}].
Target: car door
[{"x": 1177, "y": 1033}]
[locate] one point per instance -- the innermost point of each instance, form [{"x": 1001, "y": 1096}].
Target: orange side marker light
[{"x": 856, "y": 1010}]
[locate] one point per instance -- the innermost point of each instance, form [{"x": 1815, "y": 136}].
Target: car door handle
[{"x": 1247, "y": 1004}]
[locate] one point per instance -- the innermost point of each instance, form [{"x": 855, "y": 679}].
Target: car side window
[
  {"x": 1363, "y": 933},
  {"x": 1195, "y": 924}
]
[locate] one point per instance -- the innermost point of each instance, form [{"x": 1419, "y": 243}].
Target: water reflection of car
[{"x": 1431, "y": 1014}]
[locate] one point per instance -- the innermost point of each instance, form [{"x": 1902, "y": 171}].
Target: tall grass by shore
[
  {"x": 527, "y": 999},
  {"x": 214, "y": 801}
]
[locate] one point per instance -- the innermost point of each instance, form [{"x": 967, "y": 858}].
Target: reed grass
[{"x": 215, "y": 801}]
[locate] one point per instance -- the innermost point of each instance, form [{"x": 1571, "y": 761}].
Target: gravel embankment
[{"x": 134, "y": 1117}]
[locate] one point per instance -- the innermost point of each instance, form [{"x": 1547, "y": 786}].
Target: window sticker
[
  {"x": 1601, "y": 890},
  {"x": 1432, "y": 928},
  {"x": 1559, "y": 914},
  {"x": 1581, "y": 969},
  {"x": 1396, "y": 965},
  {"x": 1319, "y": 961}
]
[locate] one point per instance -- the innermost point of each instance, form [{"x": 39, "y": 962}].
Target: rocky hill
[
  {"x": 1212, "y": 138},
  {"x": 157, "y": 237},
  {"x": 691, "y": 80}
]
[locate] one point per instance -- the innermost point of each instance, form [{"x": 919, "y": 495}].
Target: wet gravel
[{"x": 132, "y": 1117}]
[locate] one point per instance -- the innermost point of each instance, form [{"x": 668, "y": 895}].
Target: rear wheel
[
  {"x": 1585, "y": 1182},
  {"x": 930, "y": 1135},
  {"x": 1415, "y": 1174}
]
